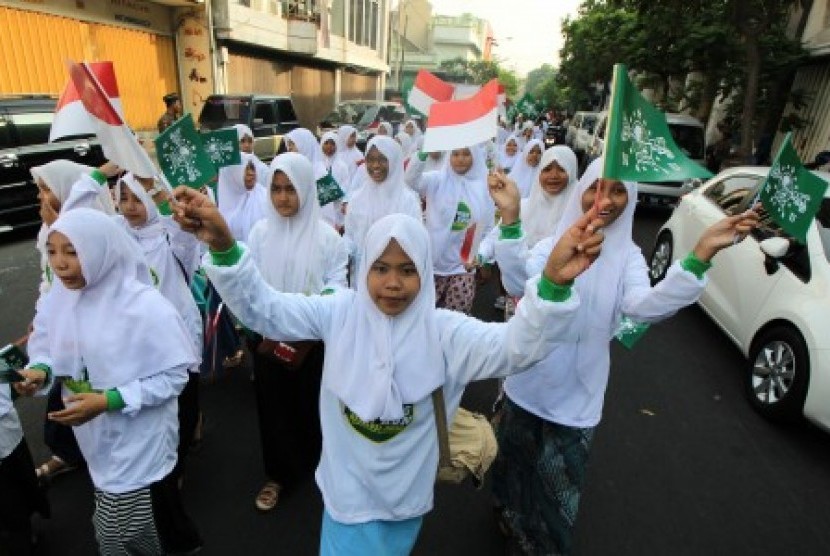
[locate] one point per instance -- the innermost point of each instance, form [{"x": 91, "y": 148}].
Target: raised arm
[{"x": 415, "y": 177}]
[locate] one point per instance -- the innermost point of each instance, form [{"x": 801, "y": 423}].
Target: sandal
[
  {"x": 268, "y": 496},
  {"x": 52, "y": 469}
]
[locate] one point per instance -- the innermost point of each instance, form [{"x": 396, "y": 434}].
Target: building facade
[{"x": 317, "y": 51}]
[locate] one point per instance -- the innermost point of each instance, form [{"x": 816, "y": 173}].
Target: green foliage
[{"x": 479, "y": 72}]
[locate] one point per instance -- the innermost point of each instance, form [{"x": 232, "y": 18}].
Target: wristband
[
  {"x": 694, "y": 265},
  {"x": 511, "y": 231},
  {"x": 227, "y": 258},
  {"x": 98, "y": 176},
  {"x": 422, "y": 156}
]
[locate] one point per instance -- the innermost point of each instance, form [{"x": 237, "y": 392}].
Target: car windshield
[
  {"x": 348, "y": 113},
  {"x": 224, "y": 112},
  {"x": 689, "y": 138},
  {"x": 368, "y": 116}
]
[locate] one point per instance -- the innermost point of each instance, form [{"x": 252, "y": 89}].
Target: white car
[{"x": 768, "y": 293}]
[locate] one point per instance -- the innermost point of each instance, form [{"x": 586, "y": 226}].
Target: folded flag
[
  {"x": 791, "y": 193},
  {"x": 71, "y": 117},
  {"x": 328, "y": 190},
  {"x": 119, "y": 143},
  {"x": 638, "y": 144},
  {"x": 182, "y": 156},
  {"x": 457, "y": 124},
  {"x": 427, "y": 90},
  {"x": 222, "y": 147}
]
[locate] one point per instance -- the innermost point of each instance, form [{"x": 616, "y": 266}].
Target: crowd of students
[{"x": 354, "y": 312}]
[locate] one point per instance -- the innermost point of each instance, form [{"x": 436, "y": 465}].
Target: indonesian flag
[
  {"x": 70, "y": 116},
  {"x": 427, "y": 90},
  {"x": 462, "y": 123},
  {"x": 118, "y": 141}
]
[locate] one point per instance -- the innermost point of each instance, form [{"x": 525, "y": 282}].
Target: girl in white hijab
[
  {"x": 329, "y": 162},
  {"x": 388, "y": 350},
  {"x": 558, "y": 402},
  {"x": 382, "y": 193},
  {"x": 525, "y": 168},
  {"x": 553, "y": 181},
  {"x": 246, "y": 145},
  {"x": 384, "y": 128},
  {"x": 123, "y": 351},
  {"x": 347, "y": 148},
  {"x": 241, "y": 198},
  {"x": 456, "y": 201},
  {"x": 173, "y": 258},
  {"x": 508, "y": 153},
  {"x": 412, "y": 129},
  {"x": 296, "y": 252}
]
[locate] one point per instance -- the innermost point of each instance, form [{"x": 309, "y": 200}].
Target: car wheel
[
  {"x": 660, "y": 258},
  {"x": 779, "y": 372}
]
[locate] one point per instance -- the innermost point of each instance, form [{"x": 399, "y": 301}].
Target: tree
[{"x": 479, "y": 72}]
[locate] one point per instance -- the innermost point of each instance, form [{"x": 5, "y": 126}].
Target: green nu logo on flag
[
  {"x": 792, "y": 194},
  {"x": 182, "y": 156},
  {"x": 638, "y": 143},
  {"x": 328, "y": 190},
  {"x": 222, "y": 147}
]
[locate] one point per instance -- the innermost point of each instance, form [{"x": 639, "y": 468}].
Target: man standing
[{"x": 173, "y": 112}]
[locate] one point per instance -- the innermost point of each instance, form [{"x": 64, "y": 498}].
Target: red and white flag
[
  {"x": 70, "y": 115},
  {"x": 118, "y": 141},
  {"x": 463, "y": 123},
  {"x": 427, "y": 90}
]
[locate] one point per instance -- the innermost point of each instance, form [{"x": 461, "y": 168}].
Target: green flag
[
  {"x": 328, "y": 190},
  {"x": 222, "y": 147},
  {"x": 791, "y": 193},
  {"x": 638, "y": 143},
  {"x": 182, "y": 156},
  {"x": 527, "y": 106}
]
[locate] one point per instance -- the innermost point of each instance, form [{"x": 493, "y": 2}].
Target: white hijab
[
  {"x": 305, "y": 142},
  {"x": 541, "y": 211},
  {"x": 416, "y": 133},
  {"x": 506, "y": 161},
  {"x": 262, "y": 170},
  {"x": 599, "y": 287},
  {"x": 406, "y": 143},
  {"x": 522, "y": 172},
  {"x": 173, "y": 275},
  {"x": 441, "y": 208},
  {"x": 59, "y": 176},
  {"x": 387, "y": 127},
  {"x": 118, "y": 325},
  {"x": 290, "y": 251},
  {"x": 372, "y": 201},
  {"x": 351, "y": 157},
  {"x": 384, "y": 362},
  {"x": 242, "y": 208}
]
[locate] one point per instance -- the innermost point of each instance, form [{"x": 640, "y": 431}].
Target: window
[
  {"x": 732, "y": 194},
  {"x": 689, "y": 138},
  {"x": 286, "y": 111},
  {"x": 6, "y": 141},
  {"x": 364, "y": 22},
  {"x": 32, "y": 128},
  {"x": 265, "y": 112}
]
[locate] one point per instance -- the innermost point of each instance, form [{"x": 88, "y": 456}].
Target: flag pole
[{"x": 613, "y": 109}]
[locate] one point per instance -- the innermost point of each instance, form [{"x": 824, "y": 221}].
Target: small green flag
[
  {"x": 791, "y": 193},
  {"x": 527, "y": 105},
  {"x": 328, "y": 190},
  {"x": 629, "y": 332},
  {"x": 638, "y": 143},
  {"x": 222, "y": 147},
  {"x": 182, "y": 156}
]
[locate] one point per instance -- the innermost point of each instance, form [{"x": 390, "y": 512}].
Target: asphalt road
[{"x": 681, "y": 464}]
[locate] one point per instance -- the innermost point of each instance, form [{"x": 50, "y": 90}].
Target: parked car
[
  {"x": 554, "y": 135},
  {"x": 768, "y": 294},
  {"x": 24, "y": 142},
  {"x": 580, "y": 130},
  {"x": 365, "y": 115},
  {"x": 269, "y": 117},
  {"x": 687, "y": 132}
]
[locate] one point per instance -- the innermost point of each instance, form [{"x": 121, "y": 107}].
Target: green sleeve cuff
[
  {"x": 98, "y": 176},
  {"x": 227, "y": 258},
  {"x": 422, "y": 156},
  {"x": 114, "y": 400},
  {"x": 551, "y": 291},
  {"x": 511, "y": 231},
  {"x": 46, "y": 369},
  {"x": 327, "y": 291},
  {"x": 695, "y": 265},
  {"x": 164, "y": 208}
]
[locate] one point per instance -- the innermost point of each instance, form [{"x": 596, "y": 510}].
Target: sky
[{"x": 527, "y": 31}]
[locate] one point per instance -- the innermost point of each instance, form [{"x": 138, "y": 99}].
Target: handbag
[
  {"x": 291, "y": 355},
  {"x": 468, "y": 448}
]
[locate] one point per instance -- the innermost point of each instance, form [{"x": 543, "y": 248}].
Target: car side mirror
[{"x": 775, "y": 247}]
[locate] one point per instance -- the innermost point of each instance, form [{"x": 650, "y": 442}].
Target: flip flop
[
  {"x": 52, "y": 468},
  {"x": 268, "y": 496}
]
